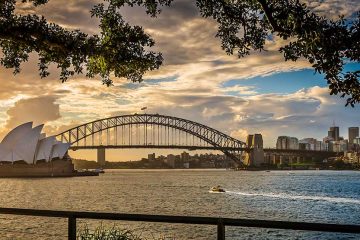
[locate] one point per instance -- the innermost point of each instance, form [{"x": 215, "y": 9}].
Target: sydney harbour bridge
[{"x": 154, "y": 131}]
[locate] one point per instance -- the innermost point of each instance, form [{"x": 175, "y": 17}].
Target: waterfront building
[
  {"x": 26, "y": 152},
  {"x": 320, "y": 146},
  {"x": 309, "y": 143},
  {"x": 327, "y": 143},
  {"x": 286, "y": 142},
  {"x": 312, "y": 144},
  {"x": 303, "y": 146},
  {"x": 339, "y": 146},
  {"x": 344, "y": 145},
  {"x": 29, "y": 145},
  {"x": 352, "y": 157}
]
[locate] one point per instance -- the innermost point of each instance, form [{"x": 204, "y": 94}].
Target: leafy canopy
[{"x": 244, "y": 25}]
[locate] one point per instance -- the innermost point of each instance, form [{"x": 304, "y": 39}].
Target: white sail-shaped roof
[
  {"x": 42, "y": 136},
  {"x": 4, "y": 151},
  {"x": 44, "y": 148},
  {"x": 59, "y": 149},
  {"x": 15, "y": 135},
  {"x": 26, "y": 146},
  {"x": 30, "y": 145},
  {"x": 11, "y": 156}
]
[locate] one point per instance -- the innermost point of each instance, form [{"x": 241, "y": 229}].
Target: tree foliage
[
  {"x": 244, "y": 26},
  {"x": 119, "y": 49}
]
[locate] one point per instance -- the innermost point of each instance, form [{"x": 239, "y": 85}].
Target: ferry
[{"x": 217, "y": 189}]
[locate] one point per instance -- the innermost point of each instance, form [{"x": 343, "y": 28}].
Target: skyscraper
[
  {"x": 334, "y": 133},
  {"x": 331, "y": 135},
  {"x": 353, "y": 133}
]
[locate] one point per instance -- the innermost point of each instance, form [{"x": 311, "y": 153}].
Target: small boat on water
[
  {"x": 217, "y": 189},
  {"x": 99, "y": 170}
]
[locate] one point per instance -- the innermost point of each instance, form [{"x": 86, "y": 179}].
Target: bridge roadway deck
[{"x": 190, "y": 148}]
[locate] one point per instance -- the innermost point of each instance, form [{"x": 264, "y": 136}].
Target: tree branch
[{"x": 272, "y": 21}]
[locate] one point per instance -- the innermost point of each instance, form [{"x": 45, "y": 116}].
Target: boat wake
[
  {"x": 215, "y": 192},
  {"x": 298, "y": 197}
]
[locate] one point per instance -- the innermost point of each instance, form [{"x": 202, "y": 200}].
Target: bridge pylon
[
  {"x": 101, "y": 156},
  {"x": 255, "y": 157}
]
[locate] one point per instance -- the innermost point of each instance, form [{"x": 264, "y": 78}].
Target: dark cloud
[
  {"x": 73, "y": 14},
  {"x": 61, "y": 91}
]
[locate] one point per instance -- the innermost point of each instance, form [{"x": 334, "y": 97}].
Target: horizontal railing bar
[{"x": 323, "y": 227}]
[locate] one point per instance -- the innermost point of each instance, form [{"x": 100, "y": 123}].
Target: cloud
[
  {"x": 334, "y": 8},
  {"x": 240, "y": 134},
  {"x": 39, "y": 110},
  {"x": 305, "y": 113}
]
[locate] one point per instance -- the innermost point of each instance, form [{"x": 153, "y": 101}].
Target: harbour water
[{"x": 312, "y": 196}]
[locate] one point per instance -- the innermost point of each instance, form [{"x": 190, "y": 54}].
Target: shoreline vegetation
[{"x": 113, "y": 233}]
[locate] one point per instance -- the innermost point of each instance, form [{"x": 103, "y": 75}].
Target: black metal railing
[{"x": 219, "y": 222}]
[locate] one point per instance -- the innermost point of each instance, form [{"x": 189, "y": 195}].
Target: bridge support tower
[
  {"x": 101, "y": 156},
  {"x": 256, "y": 156}
]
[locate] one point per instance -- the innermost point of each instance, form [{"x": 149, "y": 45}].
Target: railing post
[
  {"x": 72, "y": 228},
  {"x": 220, "y": 230}
]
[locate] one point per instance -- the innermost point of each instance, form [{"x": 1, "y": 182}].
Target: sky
[{"x": 260, "y": 93}]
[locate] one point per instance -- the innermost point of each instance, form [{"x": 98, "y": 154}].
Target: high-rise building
[
  {"x": 312, "y": 144},
  {"x": 353, "y": 133},
  {"x": 334, "y": 132},
  {"x": 281, "y": 142},
  {"x": 339, "y": 146},
  {"x": 331, "y": 135},
  {"x": 285, "y": 142}
]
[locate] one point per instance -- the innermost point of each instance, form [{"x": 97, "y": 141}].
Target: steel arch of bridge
[{"x": 215, "y": 139}]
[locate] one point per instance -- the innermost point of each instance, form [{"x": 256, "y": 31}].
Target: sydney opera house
[{"x": 26, "y": 152}]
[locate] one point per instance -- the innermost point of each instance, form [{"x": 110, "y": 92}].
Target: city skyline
[{"x": 257, "y": 94}]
